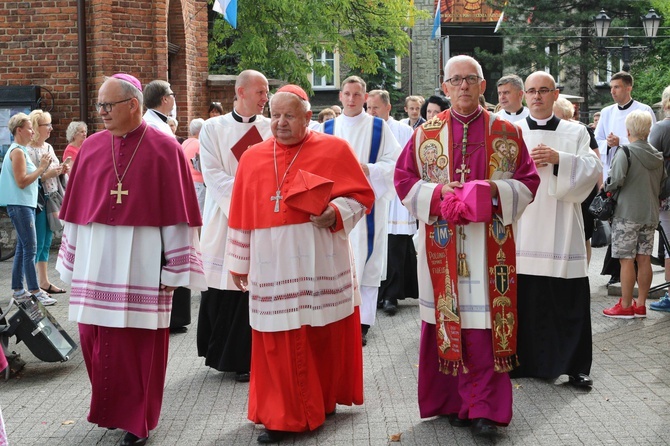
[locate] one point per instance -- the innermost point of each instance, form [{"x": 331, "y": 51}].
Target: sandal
[{"x": 54, "y": 290}]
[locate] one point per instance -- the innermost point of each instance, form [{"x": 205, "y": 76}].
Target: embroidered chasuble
[
  {"x": 223, "y": 140},
  {"x": 485, "y": 298}
]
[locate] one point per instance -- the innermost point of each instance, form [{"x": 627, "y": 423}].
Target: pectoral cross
[
  {"x": 464, "y": 170},
  {"x": 118, "y": 192},
  {"x": 277, "y": 196}
]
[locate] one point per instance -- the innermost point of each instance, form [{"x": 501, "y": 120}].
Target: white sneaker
[
  {"x": 21, "y": 296},
  {"x": 45, "y": 299}
]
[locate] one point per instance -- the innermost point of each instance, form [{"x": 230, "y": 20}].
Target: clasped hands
[
  {"x": 450, "y": 187},
  {"x": 543, "y": 155}
]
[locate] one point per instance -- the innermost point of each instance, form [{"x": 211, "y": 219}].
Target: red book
[{"x": 249, "y": 139}]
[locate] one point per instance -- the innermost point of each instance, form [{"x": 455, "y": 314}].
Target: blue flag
[
  {"x": 436, "y": 24},
  {"x": 229, "y": 10}
]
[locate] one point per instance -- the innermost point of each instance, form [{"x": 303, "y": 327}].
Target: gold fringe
[{"x": 451, "y": 367}]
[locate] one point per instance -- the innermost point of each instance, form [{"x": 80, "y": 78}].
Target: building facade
[{"x": 67, "y": 47}]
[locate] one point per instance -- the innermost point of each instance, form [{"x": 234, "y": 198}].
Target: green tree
[
  {"x": 278, "y": 37},
  {"x": 652, "y": 74},
  {"x": 560, "y": 34}
]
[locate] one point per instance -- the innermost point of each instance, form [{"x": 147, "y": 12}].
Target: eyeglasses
[
  {"x": 107, "y": 106},
  {"x": 542, "y": 91},
  {"x": 47, "y": 125},
  {"x": 458, "y": 80},
  {"x": 172, "y": 94}
]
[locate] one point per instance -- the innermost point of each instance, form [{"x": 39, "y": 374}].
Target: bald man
[
  {"x": 551, "y": 262},
  {"x": 224, "y": 335}
]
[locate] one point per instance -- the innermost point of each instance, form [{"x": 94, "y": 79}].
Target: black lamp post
[{"x": 650, "y": 22}]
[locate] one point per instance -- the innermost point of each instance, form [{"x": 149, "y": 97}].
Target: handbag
[
  {"x": 53, "y": 206},
  {"x": 42, "y": 198},
  {"x": 604, "y": 203},
  {"x": 602, "y": 234}
]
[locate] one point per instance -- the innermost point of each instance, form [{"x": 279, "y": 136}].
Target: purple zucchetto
[{"x": 128, "y": 78}]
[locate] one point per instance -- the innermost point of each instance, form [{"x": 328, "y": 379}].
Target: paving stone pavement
[{"x": 47, "y": 403}]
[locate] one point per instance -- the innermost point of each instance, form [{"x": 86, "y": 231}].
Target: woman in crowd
[
  {"x": 215, "y": 109},
  {"x": 192, "y": 151},
  {"x": 75, "y": 135},
  {"x": 660, "y": 139},
  {"x": 433, "y": 106},
  {"x": 18, "y": 191},
  {"x": 636, "y": 215},
  {"x": 326, "y": 115},
  {"x": 37, "y": 148}
]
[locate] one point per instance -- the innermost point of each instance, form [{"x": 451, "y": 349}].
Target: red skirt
[
  {"x": 298, "y": 376},
  {"x": 126, "y": 367}
]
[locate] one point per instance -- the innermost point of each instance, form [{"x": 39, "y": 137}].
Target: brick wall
[{"x": 38, "y": 46}]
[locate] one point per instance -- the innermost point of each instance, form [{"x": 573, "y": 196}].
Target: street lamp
[{"x": 650, "y": 22}]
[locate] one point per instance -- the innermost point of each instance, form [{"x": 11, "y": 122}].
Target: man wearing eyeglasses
[
  {"x": 467, "y": 284},
  {"x": 130, "y": 239},
  {"x": 159, "y": 100},
  {"x": 554, "y": 296}
]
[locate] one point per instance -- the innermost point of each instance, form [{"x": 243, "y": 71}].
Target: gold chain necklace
[
  {"x": 118, "y": 192},
  {"x": 277, "y": 196}
]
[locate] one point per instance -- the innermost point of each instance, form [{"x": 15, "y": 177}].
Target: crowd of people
[{"x": 299, "y": 227}]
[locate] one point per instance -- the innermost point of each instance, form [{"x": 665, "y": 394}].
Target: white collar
[{"x": 541, "y": 121}]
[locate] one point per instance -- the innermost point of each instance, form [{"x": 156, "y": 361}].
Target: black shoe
[
  {"x": 390, "y": 308},
  {"x": 614, "y": 280},
  {"x": 270, "y": 436},
  {"x": 581, "y": 380},
  {"x": 133, "y": 440},
  {"x": 364, "y": 339},
  {"x": 178, "y": 330},
  {"x": 484, "y": 428},
  {"x": 242, "y": 377},
  {"x": 458, "y": 422}
]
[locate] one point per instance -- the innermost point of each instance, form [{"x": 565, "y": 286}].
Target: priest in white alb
[
  {"x": 377, "y": 151},
  {"x": 224, "y": 336},
  {"x": 554, "y": 295},
  {"x": 400, "y": 280}
]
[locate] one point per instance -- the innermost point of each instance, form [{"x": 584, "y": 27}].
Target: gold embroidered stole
[{"x": 502, "y": 149}]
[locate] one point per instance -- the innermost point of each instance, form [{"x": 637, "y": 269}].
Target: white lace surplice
[
  {"x": 290, "y": 284},
  {"x": 115, "y": 272}
]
